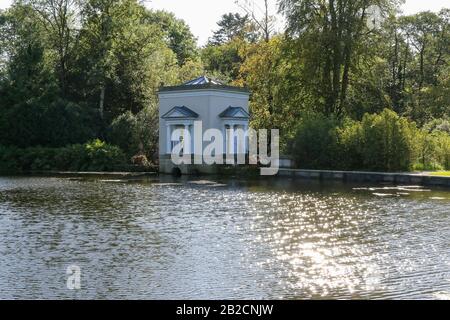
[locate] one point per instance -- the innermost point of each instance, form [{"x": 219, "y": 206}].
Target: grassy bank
[{"x": 440, "y": 173}]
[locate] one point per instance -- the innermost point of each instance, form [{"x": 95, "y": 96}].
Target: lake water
[{"x": 222, "y": 239}]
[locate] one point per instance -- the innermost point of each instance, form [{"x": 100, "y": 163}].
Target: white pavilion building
[{"x": 216, "y": 105}]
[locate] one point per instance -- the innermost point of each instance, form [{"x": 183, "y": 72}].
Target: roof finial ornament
[{"x": 202, "y": 80}]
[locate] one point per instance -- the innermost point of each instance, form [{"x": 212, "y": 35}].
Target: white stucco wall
[{"x": 208, "y": 103}]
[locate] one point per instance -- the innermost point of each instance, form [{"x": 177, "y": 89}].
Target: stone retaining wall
[{"x": 360, "y": 176}]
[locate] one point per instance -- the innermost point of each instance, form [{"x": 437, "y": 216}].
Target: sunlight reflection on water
[{"x": 222, "y": 239}]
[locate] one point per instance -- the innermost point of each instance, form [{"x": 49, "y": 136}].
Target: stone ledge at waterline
[
  {"x": 78, "y": 174},
  {"x": 362, "y": 176}
]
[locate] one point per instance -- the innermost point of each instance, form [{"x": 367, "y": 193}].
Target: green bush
[
  {"x": 443, "y": 149},
  {"x": 438, "y": 125},
  {"x": 9, "y": 159},
  {"x": 121, "y": 133},
  {"x": 92, "y": 156},
  {"x": 350, "y": 145},
  {"x": 433, "y": 146},
  {"x": 315, "y": 144},
  {"x": 102, "y": 156},
  {"x": 380, "y": 142},
  {"x": 387, "y": 142},
  {"x": 54, "y": 125},
  {"x": 440, "y": 153},
  {"x": 426, "y": 149},
  {"x": 136, "y": 134}
]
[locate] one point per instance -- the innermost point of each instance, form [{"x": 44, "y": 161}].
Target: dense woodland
[{"x": 350, "y": 84}]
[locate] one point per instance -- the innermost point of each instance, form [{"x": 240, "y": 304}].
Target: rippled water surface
[{"x": 222, "y": 239}]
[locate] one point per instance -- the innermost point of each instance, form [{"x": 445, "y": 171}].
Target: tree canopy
[{"x": 72, "y": 71}]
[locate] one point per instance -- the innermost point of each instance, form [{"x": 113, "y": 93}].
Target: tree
[
  {"x": 189, "y": 70},
  {"x": 264, "y": 24},
  {"x": 233, "y": 25},
  {"x": 177, "y": 34},
  {"x": 28, "y": 73},
  {"x": 271, "y": 76},
  {"x": 58, "y": 17},
  {"x": 328, "y": 34},
  {"x": 429, "y": 37},
  {"x": 423, "y": 31},
  {"x": 122, "y": 59},
  {"x": 224, "y": 61},
  {"x": 136, "y": 134},
  {"x": 394, "y": 49},
  {"x": 222, "y": 55},
  {"x": 3, "y": 44}
]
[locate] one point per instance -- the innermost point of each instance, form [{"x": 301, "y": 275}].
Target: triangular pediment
[
  {"x": 234, "y": 113},
  {"x": 241, "y": 114},
  {"x": 175, "y": 114},
  {"x": 180, "y": 113}
]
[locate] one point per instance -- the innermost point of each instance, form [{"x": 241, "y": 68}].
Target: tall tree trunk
[
  {"x": 422, "y": 54},
  {"x": 102, "y": 101},
  {"x": 345, "y": 79},
  {"x": 336, "y": 39},
  {"x": 266, "y": 22}
]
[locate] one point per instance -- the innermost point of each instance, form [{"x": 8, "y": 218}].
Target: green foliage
[
  {"x": 60, "y": 123},
  {"x": 315, "y": 144},
  {"x": 177, "y": 34},
  {"x": 123, "y": 58},
  {"x": 350, "y": 66},
  {"x": 93, "y": 70},
  {"x": 416, "y": 76},
  {"x": 224, "y": 59},
  {"x": 387, "y": 142},
  {"x": 191, "y": 69},
  {"x": 433, "y": 143},
  {"x": 28, "y": 75},
  {"x": 270, "y": 74},
  {"x": 63, "y": 87},
  {"x": 438, "y": 125},
  {"x": 329, "y": 37},
  {"x": 92, "y": 156},
  {"x": 121, "y": 132},
  {"x": 350, "y": 143},
  {"x": 233, "y": 25},
  {"x": 380, "y": 142},
  {"x": 136, "y": 134},
  {"x": 442, "y": 149},
  {"x": 146, "y": 132},
  {"x": 102, "y": 156}
]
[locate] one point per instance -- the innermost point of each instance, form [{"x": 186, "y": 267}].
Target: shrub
[
  {"x": 315, "y": 144},
  {"x": 136, "y": 134},
  {"x": 121, "y": 132},
  {"x": 387, "y": 142},
  {"x": 140, "y": 160},
  {"x": 426, "y": 151},
  {"x": 102, "y": 156},
  {"x": 93, "y": 156},
  {"x": 350, "y": 145},
  {"x": 146, "y": 132},
  {"x": 72, "y": 158},
  {"x": 8, "y": 159},
  {"x": 55, "y": 125},
  {"x": 438, "y": 125},
  {"x": 442, "y": 149},
  {"x": 380, "y": 142}
]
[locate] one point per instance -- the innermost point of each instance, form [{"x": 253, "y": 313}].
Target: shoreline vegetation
[
  {"x": 347, "y": 92},
  {"x": 94, "y": 156}
]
